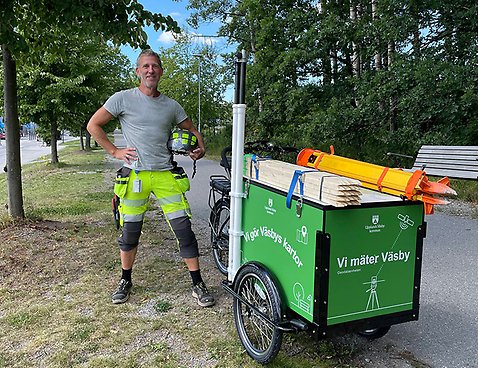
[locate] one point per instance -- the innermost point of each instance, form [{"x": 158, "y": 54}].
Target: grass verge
[{"x": 467, "y": 189}]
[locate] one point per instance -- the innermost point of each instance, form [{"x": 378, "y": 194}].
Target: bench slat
[
  {"x": 444, "y": 155},
  {"x": 452, "y": 173},
  {"x": 451, "y": 148},
  {"x": 452, "y": 161},
  {"x": 448, "y": 153},
  {"x": 446, "y": 167},
  {"x": 443, "y": 163}
]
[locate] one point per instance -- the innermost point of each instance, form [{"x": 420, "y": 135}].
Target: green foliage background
[{"x": 367, "y": 76}]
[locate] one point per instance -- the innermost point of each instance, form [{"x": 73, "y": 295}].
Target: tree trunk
[
  {"x": 88, "y": 141},
  {"x": 335, "y": 68},
  {"x": 327, "y": 54},
  {"x": 12, "y": 128},
  {"x": 53, "y": 144},
  {"x": 393, "y": 100},
  {"x": 416, "y": 32},
  {"x": 327, "y": 62},
  {"x": 260, "y": 99},
  {"x": 377, "y": 56},
  {"x": 390, "y": 52},
  {"x": 82, "y": 144},
  {"x": 355, "y": 48}
]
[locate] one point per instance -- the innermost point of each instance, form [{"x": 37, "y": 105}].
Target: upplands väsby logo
[
  {"x": 376, "y": 227},
  {"x": 269, "y": 208}
]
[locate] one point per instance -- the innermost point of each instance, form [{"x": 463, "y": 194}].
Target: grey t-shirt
[{"x": 146, "y": 123}]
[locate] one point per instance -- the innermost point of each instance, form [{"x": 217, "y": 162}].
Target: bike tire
[
  {"x": 261, "y": 339},
  {"x": 374, "y": 333},
  {"x": 219, "y": 220}
]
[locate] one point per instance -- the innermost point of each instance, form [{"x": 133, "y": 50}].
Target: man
[{"x": 147, "y": 118}]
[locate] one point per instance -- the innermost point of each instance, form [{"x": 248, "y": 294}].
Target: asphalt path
[{"x": 447, "y": 330}]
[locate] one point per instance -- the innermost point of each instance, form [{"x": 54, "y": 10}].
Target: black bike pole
[
  {"x": 237, "y": 78},
  {"x": 240, "y": 78}
]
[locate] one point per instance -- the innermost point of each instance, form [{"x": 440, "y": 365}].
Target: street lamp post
[{"x": 200, "y": 57}]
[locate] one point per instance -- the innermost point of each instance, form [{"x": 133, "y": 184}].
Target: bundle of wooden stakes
[{"x": 320, "y": 186}]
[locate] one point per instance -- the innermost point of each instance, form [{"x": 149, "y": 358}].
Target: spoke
[
  {"x": 264, "y": 337},
  {"x": 246, "y": 291},
  {"x": 255, "y": 329},
  {"x": 256, "y": 332},
  {"x": 224, "y": 229}
]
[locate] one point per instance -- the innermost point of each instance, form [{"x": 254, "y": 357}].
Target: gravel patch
[{"x": 460, "y": 208}]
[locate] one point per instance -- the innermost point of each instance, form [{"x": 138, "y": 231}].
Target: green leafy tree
[
  {"x": 25, "y": 29},
  {"x": 58, "y": 93},
  {"x": 368, "y": 76}
]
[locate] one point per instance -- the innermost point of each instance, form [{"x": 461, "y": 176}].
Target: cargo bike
[{"x": 296, "y": 264}]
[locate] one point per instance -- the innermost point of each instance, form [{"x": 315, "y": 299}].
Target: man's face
[{"x": 149, "y": 71}]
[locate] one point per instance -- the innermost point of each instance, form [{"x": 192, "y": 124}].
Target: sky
[{"x": 177, "y": 10}]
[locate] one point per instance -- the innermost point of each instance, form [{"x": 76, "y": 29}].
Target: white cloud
[{"x": 167, "y": 37}]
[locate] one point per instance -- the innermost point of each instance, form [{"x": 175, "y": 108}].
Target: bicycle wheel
[
  {"x": 219, "y": 221},
  {"x": 261, "y": 339},
  {"x": 374, "y": 333}
]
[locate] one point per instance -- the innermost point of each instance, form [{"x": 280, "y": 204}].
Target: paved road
[
  {"x": 446, "y": 333},
  {"x": 30, "y": 150}
]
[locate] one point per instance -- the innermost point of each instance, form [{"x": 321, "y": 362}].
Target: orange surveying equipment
[{"x": 410, "y": 185}]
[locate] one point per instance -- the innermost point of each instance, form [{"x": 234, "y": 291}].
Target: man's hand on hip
[{"x": 128, "y": 154}]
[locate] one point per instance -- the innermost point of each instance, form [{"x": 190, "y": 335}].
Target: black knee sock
[
  {"x": 126, "y": 274},
  {"x": 196, "y": 277}
]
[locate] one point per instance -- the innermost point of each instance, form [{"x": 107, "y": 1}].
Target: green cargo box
[{"x": 340, "y": 269}]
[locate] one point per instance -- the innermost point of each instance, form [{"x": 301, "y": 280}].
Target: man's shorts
[{"x": 168, "y": 187}]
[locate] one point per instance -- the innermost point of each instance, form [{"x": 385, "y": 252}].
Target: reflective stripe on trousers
[{"x": 165, "y": 188}]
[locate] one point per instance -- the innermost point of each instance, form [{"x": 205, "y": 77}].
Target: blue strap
[
  {"x": 297, "y": 175},
  {"x": 254, "y": 163}
]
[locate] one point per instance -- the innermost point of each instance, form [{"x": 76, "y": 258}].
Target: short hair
[{"x": 149, "y": 52}]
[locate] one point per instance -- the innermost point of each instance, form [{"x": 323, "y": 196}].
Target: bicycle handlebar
[
  {"x": 267, "y": 147},
  {"x": 260, "y": 147}
]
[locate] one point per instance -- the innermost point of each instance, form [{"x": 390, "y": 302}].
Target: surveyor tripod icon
[{"x": 373, "y": 302}]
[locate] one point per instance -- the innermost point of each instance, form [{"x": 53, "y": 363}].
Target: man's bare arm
[{"x": 95, "y": 127}]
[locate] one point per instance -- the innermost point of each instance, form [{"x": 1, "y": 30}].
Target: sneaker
[
  {"x": 200, "y": 292},
  {"x": 122, "y": 292}
]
